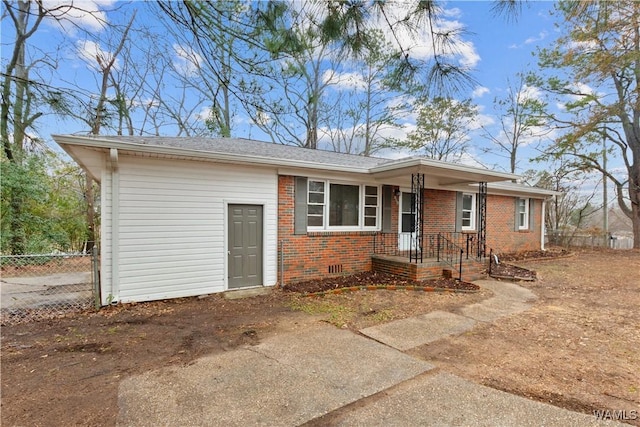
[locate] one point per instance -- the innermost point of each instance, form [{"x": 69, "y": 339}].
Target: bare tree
[
  {"x": 442, "y": 128},
  {"x": 522, "y": 121},
  {"x": 24, "y": 98},
  {"x": 360, "y": 120}
]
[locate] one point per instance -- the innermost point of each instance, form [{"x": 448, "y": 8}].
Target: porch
[{"x": 449, "y": 254}]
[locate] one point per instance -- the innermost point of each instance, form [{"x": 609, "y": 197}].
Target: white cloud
[
  {"x": 469, "y": 159},
  {"x": 480, "y": 121},
  {"x": 453, "y": 12},
  {"x": 530, "y": 40},
  {"x": 541, "y": 36},
  {"x": 580, "y": 91},
  {"x": 479, "y": 91},
  {"x": 86, "y": 14},
  {"x": 94, "y": 55},
  {"x": 418, "y": 42},
  {"x": 345, "y": 81},
  {"x": 186, "y": 61},
  {"x": 531, "y": 92}
]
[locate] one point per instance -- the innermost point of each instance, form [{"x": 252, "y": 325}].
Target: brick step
[{"x": 428, "y": 269}]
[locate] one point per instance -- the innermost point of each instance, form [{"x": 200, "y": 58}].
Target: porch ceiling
[{"x": 439, "y": 173}]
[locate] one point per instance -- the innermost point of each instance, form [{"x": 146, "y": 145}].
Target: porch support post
[
  {"x": 417, "y": 212},
  {"x": 482, "y": 219}
]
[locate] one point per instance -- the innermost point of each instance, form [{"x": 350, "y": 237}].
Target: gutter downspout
[
  {"x": 115, "y": 226},
  {"x": 543, "y": 220}
]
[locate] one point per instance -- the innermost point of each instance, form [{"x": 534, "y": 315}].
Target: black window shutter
[
  {"x": 387, "y": 197},
  {"x": 300, "y": 206}
]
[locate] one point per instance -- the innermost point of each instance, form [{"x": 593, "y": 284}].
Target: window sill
[{"x": 359, "y": 232}]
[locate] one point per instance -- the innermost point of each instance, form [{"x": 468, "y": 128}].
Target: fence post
[
  {"x": 96, "y": 277},
  {"x": 460, "y": 273}
]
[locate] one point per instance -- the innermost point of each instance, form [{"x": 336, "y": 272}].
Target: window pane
[
  {"x": 407, "y": 201},
  {"x": 466, "y": 219},
  {"x": 317, "y": 186},
  {"x": 523, "y": 213},
  {"x": 314, "y": 221},
  {"x": 467, "y": 202},
  {"x": 369, "y": 221},
  {"x": 315, "y": 209},
  {"x": 371, "y": 201},
  {"x": 371, "y": 191},
  {"x": 316, "y": 198},
  {"x": 370, "y": 211},
  {"x": 344, "y": 206},
  {"x": 408, "y": 223}
]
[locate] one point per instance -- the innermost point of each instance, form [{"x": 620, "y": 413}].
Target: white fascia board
[
  {"x": 505, "y": 189},
  {"x": 441, "y": 168},
  {"x": 324, "y": 173},
  {"x": 96, "y": 142},
  {"x": 521, "y": 190}
]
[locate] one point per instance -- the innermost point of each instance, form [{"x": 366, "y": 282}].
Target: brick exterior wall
[
  {"x": 325, "y": 254},
  {"x": 318, "y": 254},
  {"x": 501, "y": 234},
  {"x": 439, "y": 211}
]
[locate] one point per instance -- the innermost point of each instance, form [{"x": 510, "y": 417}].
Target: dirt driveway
[{"x": 577, "y": 347}]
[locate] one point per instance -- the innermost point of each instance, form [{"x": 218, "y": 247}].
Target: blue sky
[{"x": 496, "y": 48}]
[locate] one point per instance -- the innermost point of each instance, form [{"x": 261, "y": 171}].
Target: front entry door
[
  {"x": 407, "y": 226},
  {"x": 245, "y": 246}
]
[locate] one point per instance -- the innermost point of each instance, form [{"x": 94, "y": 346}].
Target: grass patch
[{"x": 334, "y": 312}]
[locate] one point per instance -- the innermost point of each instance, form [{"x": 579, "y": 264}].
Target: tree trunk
[{"x": 635, "y": 221}]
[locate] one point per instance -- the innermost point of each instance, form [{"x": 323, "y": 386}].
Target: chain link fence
[{"x": 37, "y": 287}]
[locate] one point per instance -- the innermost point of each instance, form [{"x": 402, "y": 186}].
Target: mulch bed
[
  {"x": 508, "y": 271},
  {"x": 535, "y": 255},
  {"x": 376, "y": 280}
]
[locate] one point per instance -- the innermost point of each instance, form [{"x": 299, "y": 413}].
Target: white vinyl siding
[{"x": 173, "y": 224}]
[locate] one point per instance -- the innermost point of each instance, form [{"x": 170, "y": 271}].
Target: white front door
[{"x": 407, "y": 226}]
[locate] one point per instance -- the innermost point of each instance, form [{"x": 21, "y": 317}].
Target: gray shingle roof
[{"x": 248, "y": 147}]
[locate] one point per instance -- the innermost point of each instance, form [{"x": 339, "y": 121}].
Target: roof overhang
[
  {"x": 440, "y": 174},
  {"x": 92, "y": 153},
  {"x": 76, "y": 145}
]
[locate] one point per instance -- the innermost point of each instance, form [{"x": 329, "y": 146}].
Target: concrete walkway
[
  {"x": 327, "y": 376},
  {"x": 408, "y": 333}
]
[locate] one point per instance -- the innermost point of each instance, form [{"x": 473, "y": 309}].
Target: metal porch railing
[{"x": 448, "y": 247}]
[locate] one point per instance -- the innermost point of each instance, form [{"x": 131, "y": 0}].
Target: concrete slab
[
  {"x": 508, "y": 290},
  {"x": 415, "y": 331},
  {"x": 446, "y": 400},
  {"x": 509, "y": 299},
  {"x": 286, "y": 380},
  {"x": 247, "y": 293},
  {"x": 42, "y": 291}
]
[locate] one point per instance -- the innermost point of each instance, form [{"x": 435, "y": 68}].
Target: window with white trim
[
  {"x": 523, "y": 214},
  {"x": 338, "y": 206},
  {"x": 315, "y": 204},
  {"x": 371, "y": 205},
  {"x": 468, "y": 211}
]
